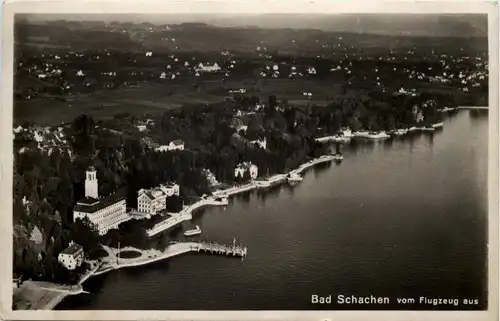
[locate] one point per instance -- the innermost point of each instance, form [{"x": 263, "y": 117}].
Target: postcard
[{"x": 231, "y": 160}]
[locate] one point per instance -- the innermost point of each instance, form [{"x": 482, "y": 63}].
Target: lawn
[
  {"x": 153, "y": 97},
  {"x": 129, "y": 254}
]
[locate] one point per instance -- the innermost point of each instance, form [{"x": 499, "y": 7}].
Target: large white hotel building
[
  {"x": 154, "y": 200},
  {"x": 105, "y": 213}
]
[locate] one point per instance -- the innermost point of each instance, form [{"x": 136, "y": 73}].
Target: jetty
[
  {"x": 216, "y": 248},
  {"x": 113, "y": 262},
  {"x": 473, "y": 107}
]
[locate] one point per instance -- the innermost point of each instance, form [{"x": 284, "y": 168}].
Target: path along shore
[{"x": 36, "y": 296}]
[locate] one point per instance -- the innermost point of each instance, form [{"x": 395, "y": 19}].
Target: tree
[
  {"x": 246, "y": 176},
  {"x": 86, "y": 234},
  {"x": 174, "y": 204},
  {"x": 272, "y": 101}
]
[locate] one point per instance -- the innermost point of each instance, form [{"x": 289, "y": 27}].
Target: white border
[{"x": 222, "y": 7}]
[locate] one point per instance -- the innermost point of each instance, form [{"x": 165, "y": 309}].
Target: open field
[{"x": 153, "y": 97}]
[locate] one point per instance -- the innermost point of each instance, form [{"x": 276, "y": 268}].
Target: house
[
  {"x": 151, "y": 201},
  {"x": 173, "y": 145},
  {"x": 72, "y": 256},
  {"x": 262, "y": 143},
  {"x": 419, "y": 117},
  {"x": 36, "y": 235},
  {"x": 242, "y": 128},
  {"x": 155, "y": 200},
  {"x": 212, "y": 180},
  {"x": 176, "y": 145},
  {"x": 240, "y": 170},
  {"x": 105, "y": 213},
  {"x": 238, "y": 91},
  {"x": 17, "y": 281},
  {"x": 141, "y": 128},
  {"x": 208, "y": 68},
  {"x": 345, "y": 132}
]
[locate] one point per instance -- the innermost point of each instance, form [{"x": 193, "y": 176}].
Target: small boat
[
  {"x": 223, "y": 200},
  {"x": 437, "y": 125},
  {"x": 294, "y": 177},
  {"x": 372, "y": 135},
  {"x": 193, "y": 232},
  {"x": 262, "y": 183},
  {"x": 400, "y": 132},
  {"x": 341, "y": 139}
]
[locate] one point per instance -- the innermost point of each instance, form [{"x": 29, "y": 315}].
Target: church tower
[{"x": 91, "y": 188}]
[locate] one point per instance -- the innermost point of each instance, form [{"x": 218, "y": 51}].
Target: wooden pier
[{"x": 221, "y": 249}]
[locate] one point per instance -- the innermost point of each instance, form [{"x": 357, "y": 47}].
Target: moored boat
[
  {"x": 338, "y": 154},
  {"x": 400, "y": 132},
  {"x": 262, "y": 183},
  {"x": 222, "y": 200},
  {"x": 372, "y": 135},
  {"x": 193, "y": 232},
  {"x": 294, "y": 178}
]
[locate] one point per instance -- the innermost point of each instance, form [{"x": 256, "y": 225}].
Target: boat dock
[
  {"x": 216, "y": 248},
  {"x": 473, "y": 107}
]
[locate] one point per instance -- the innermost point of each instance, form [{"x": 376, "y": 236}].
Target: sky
[{"x": 390, "y": 24}]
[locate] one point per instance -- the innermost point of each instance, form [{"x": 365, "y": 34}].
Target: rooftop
[
  {"x": 171, "y": 185},
  {"x": 73, "y": 249},
  {"x": 88, "y": 201},
  {"x": 91, "y": 205},
  {"x": 177, "y": 142},
  {"x": 148, "y": 194}
]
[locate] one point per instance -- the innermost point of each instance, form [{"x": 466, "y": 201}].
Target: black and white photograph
[{"x": 235, "y": 161}]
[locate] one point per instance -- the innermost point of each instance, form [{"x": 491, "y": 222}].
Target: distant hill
[{"x": 428, "y": 25}]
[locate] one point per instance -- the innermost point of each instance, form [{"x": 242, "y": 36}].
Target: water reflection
[
  {"x": 388, "y": 144},
  {"x": 478, "y": 114}
]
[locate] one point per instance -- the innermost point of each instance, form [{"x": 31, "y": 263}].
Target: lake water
[{"x": 398, "y": 218}]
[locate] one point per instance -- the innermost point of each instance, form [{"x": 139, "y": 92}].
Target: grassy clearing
[{"x": 158, "y": 96}]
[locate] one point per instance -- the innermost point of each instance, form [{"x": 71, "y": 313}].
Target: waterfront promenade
[
  {"x": 46, "y": 299},
  {"x": 186, "y": 213},
  {"x": 473, "y": 107},
  {"x": 113, "y": 262}
]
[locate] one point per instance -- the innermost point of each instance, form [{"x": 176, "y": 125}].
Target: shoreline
[
  {"x": 382, "y": 134},
  {"x": 185, "y": 214},
  {"x": 173, "y": 250}
]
